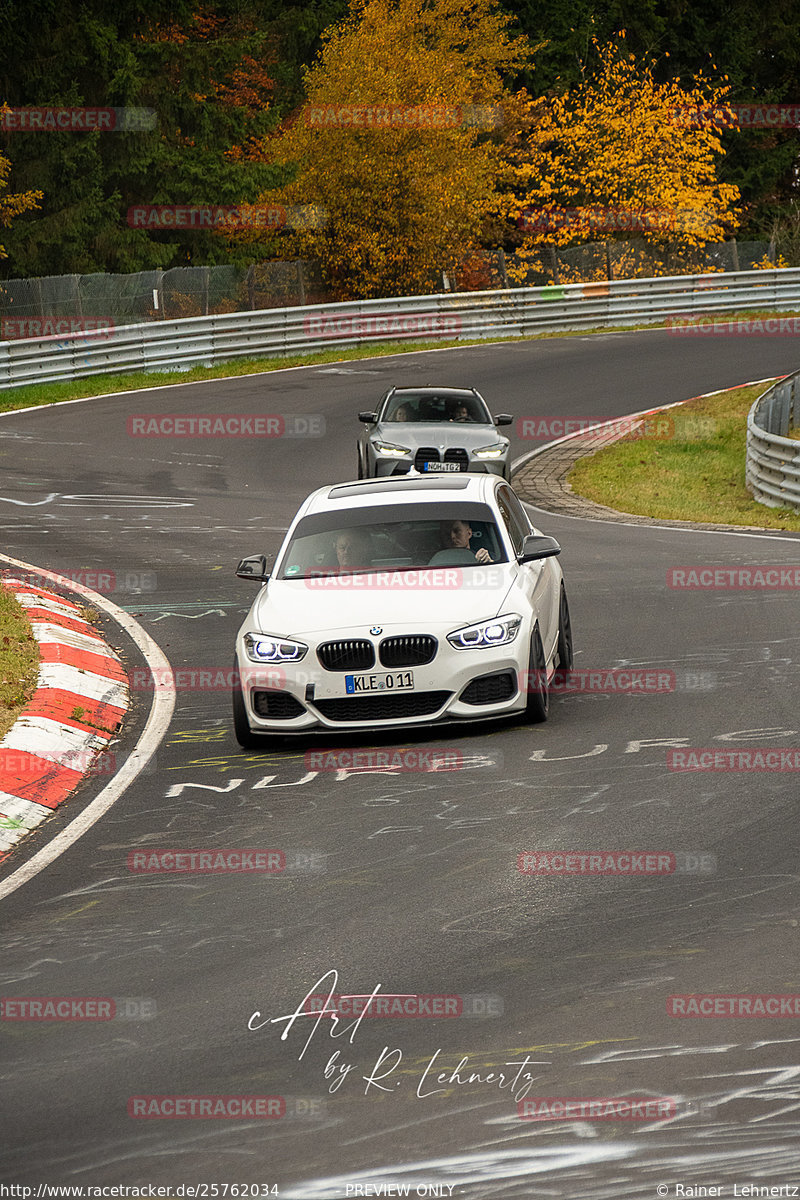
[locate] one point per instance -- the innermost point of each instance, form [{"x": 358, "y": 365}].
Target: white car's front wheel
[
  {"x": 241, "y": 727},
  {"x": 566, "y": 657},
  {"x": 538, "y": 705}
]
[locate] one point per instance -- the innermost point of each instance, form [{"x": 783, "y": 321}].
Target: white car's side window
[{"x": 514, "y": 521}]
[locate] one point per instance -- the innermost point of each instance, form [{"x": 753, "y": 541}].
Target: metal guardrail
[
  {"x": 772, "y": 464},
  {"x": 207, "y": 341}
]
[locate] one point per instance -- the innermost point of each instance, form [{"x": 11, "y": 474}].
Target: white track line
[{"x": 157, "y": 724}]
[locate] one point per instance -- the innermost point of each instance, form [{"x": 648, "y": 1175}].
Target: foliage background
[{"x": 223, "y": 75}]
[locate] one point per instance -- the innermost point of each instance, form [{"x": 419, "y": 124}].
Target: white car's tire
[
  {"x": 566, "y": 655},
  {"x": 244, "y": 735},
  {"x": 537, "y": 708}
]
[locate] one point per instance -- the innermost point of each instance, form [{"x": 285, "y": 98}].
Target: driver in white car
[{"x": 457, "y": 535}]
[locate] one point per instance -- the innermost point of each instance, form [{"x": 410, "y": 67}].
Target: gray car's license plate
[
  {"x": 390, "y": 681},
  {"x": 441, "y": 466}
]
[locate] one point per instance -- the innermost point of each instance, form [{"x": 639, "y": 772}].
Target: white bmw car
[{"x": 401, "y": 602}]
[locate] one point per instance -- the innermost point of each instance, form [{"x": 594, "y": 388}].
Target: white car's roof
[{"x": 402, "y": 490}]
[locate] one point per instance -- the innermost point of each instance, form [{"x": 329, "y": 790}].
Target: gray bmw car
[{"x": 432, "y": 429}]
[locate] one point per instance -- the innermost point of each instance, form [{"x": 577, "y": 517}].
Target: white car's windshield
[{"x": 363, "y": 541}]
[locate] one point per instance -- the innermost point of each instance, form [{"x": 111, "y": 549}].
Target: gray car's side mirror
[
  {"x": 536, "y": 546},
  {"x": 369, "y": 418},
  {"x": 253, "y": 568},
  {"x": 503, "y": 419}
]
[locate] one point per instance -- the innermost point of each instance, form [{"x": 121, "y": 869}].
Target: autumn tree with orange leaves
[
  {"x": 619, "y": 156},
  {"x": 13, "y": 204},
  {"x": 395, "y": 143}
]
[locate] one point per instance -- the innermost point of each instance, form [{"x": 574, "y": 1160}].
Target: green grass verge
[
  {"x": 35, "y": 394},
  {"x": 695, "y": 473},
  {"x": 19, "y": 660}
]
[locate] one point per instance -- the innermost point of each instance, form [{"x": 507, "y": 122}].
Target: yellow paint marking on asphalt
[
  {"x": 76, "y": 911},
  {"x": 180, "y": 737}
]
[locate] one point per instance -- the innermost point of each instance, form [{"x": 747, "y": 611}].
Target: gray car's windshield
[
  {"x": 357, "y": 543},
  {"x": 403, "y": 407}
]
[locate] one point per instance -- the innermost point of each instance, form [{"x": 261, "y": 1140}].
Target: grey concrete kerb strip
[{"x": 540, "y": 477}]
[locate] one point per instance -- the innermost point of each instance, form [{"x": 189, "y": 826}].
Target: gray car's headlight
[
  {"x": 496, "y": 632},
  {"x": 496, "y": 450},
  {"x": 265, "y": 648},
  {"x": 388, "y": 448}
]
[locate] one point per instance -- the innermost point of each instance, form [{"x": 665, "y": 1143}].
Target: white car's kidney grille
[
  {"x": 408, "y": 650},
  {"x": 383, "y": 708},
  {"x": 348, "y": 654}
]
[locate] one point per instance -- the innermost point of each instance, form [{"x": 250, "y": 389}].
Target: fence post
[
  {"x": 158, "y": 294},
  {"x": 735, "y": 254},
  {"x": 205, "y": 278},
  {"x": 251, "y": 286},
  {"x": 554, "y": 263},
  {"x": 501, "y": 265},
  {"x": 301, "y": 283}
]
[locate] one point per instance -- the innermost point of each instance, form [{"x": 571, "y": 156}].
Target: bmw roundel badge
[{"x": 376, "y": 629}]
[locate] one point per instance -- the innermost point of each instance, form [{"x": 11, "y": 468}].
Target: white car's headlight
[
  {"x": 496, "y": 632},
  {"x": 496, "y": 450},
  {"x": 388, "y": 448},
  {"x": 265, "y": 648}
]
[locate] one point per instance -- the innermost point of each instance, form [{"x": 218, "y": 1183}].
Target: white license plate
[
  {"x": 391, "y": 681},
  {"x": 441, "y": 466}
]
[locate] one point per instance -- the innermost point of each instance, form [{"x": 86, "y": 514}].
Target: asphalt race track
[{"x": 410, "y": 880}]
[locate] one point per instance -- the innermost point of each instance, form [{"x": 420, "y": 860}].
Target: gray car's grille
[
  {"x": 349, "y": 654},
  {"x": 408, "y": 650},
  {"x": 424, "y": 455},
  {"x": 457, "y": 454}
]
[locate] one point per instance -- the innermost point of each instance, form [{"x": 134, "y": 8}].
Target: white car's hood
[{"x": 450, "y": 596}]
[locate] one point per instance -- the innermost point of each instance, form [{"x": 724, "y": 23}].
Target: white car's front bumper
[{"x": 294, "y": 698}]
